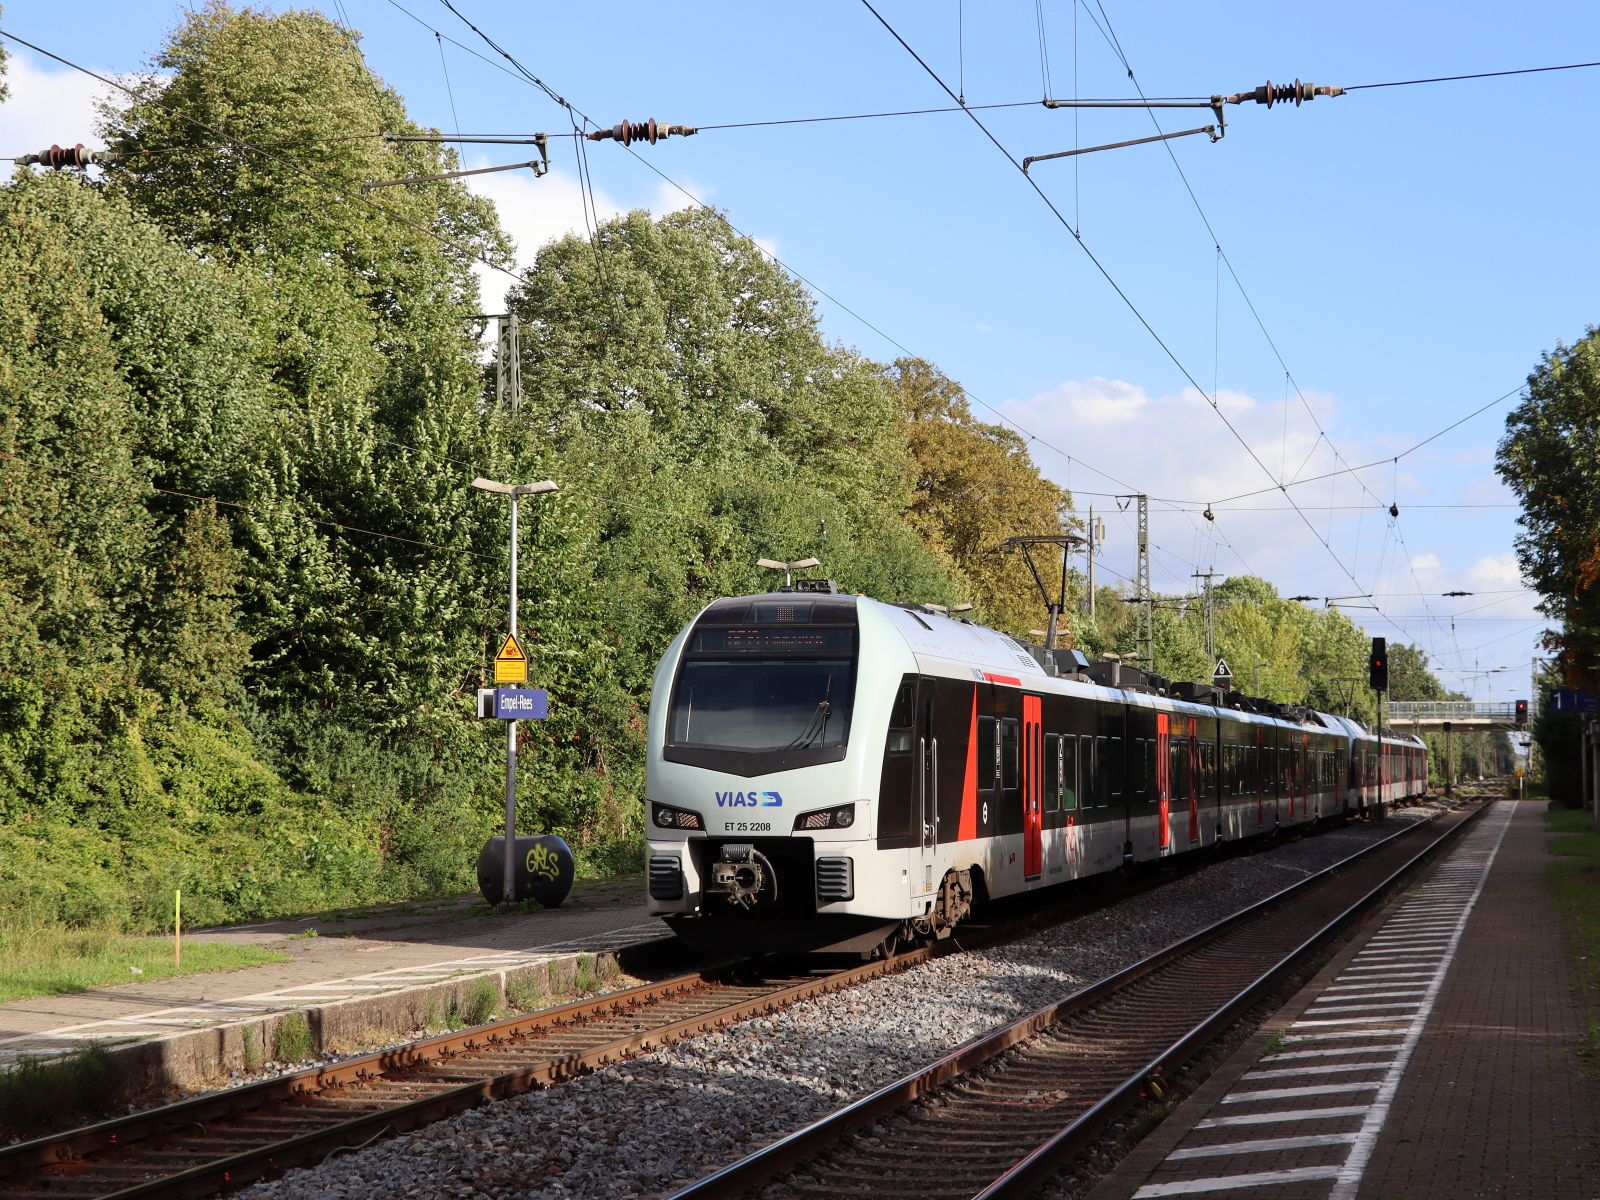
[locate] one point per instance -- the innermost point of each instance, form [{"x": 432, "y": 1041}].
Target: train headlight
[
  {"x": 841, "y": 817},
  {"x": 668, "y": 817}
]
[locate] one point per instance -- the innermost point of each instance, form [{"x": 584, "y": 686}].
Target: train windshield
[
  {"x": 766, "y": 683},
  {"x": 763, "y": 706}
]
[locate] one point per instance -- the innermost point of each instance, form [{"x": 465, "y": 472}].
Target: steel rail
[
  {"x": 67, "y": 1152},
  {"x": 772, "y": 1161},
  {"x": 94, "y": 1150}
]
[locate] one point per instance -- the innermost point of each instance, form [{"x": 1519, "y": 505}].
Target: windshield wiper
[{"x": 815, "y": 731}]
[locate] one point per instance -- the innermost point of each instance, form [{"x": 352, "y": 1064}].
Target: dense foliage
[
  {"x": 1550, "y": 456},
  {"x": 245, "y": 592}
]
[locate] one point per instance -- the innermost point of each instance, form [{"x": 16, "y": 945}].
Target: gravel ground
[{"x": 671, "y": 1117}]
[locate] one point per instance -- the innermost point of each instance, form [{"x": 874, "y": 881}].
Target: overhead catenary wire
[
  {"x": 353, "y": 198},
  {"x": 976, "y": 399},
  {"x": 528, "y": 77},
  {"x": 1106, "y": 274},
  {"x": 375, "y": 533}
]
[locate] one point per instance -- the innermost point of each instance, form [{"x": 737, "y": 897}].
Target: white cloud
[
  {"x": 1425, "y": 562},
  {"x": 984, "y": 327},
  {"x": 47, "y": 107},
  {"x": 1498, "y": 569},
  {"x": 671, "y": 198}
]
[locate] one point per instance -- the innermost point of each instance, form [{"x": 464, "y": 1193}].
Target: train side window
[
  {"x": 1102, "y": 774},
  {"x": 1069, "y": 773},
  {"x": 1150, "y": 770},
  {"x": 1010, "y": 747},
  {"x": 1114, "y": 769},
  {"x": 901, "y": 719},
  {"x": 986, "y": 754},
  {"x": 1052, "y": 773},
  {"x": 1139, "y": 784},
  {"x": 1086, "y": 771}
]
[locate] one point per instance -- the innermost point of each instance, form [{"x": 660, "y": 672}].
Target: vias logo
[{"x": 749, "y": 800}]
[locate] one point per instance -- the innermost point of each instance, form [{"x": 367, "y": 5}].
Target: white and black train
[{"x": 829, "y": 770}]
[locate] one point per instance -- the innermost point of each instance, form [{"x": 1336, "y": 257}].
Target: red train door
[
  {"x": 1032, "y": 787},
  {"x": 1163, "y": 781}
]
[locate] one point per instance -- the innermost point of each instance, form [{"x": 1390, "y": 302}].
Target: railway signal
[
  {"x": 1378, "y": 665},
  {"x": 1522, "y": 714}
]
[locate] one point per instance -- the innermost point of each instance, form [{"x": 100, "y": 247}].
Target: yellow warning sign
[{"x": 511, "y": 664}]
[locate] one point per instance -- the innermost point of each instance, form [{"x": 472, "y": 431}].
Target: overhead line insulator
[
  {"x": 1282, "y": 93},
  {"x": 77, "y": 157},
  {"x": 645, "y": 131}
]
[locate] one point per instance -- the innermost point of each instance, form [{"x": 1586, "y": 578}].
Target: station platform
[
  {"x": 356, "y": 976},
  {"x": 1438, "y": 1055}
]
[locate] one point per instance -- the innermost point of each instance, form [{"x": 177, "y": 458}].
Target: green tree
[
  {"x": 976, "y": 486},
  {"x": 243, "y": 150},
  {"x": 1550, "y": 456}
]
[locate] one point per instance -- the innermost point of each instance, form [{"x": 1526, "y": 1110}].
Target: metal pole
[
  {"x": 1583, "y": 761},
  {"x": 1449, "y": 760},
  {"x": 509, "y": 893},
  {"x": 1091, "y": 562},
  {"x": 1147, "y": 626}
]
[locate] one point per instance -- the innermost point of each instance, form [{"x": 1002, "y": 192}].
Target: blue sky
[{"x": 1411, "y": 251}]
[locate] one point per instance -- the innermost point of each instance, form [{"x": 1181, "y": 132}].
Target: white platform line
[
  {"x": 1266, "y": 1145},
  {"x": 1332, "y": 1069},
  {"x": 1292, "y": 1093},
  {"x": 1338, "y": 1052},
  {"x": 1350, "y": 1175},
  {"x": 1225, "y": 1183},
  {"x": 1332, "y": 1008},
  {"x": 1389, "y": 1020},
  {"x": 1294, "y": 1114}
]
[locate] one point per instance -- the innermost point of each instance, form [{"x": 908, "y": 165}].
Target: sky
[{"x": 1216, "y": 324}]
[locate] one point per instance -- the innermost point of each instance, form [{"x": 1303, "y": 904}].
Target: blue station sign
[
  {"x": 521, "y": 704},
  {"x": 1566, "y": 700}
]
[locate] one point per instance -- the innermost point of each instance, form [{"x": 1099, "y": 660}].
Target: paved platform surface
[
  {"x": 1436, "y": 1057},
  {"x": 375, "y": 954}
]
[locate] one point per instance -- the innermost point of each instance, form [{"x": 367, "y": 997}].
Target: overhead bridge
[{"x": 1437, "y": 716}]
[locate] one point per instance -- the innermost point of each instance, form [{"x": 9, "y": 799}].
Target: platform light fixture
[
  {"x": 788, "y": 568},
  {"x": 516, "y": 491}
]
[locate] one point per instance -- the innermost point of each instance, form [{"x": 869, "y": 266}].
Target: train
[{"x": 827, "y": 771}]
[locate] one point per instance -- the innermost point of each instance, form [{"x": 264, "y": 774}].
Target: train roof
[{"x": 966, "y": 646}]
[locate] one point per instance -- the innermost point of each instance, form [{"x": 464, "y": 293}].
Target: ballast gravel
[{"x": 663, "y": 1120}]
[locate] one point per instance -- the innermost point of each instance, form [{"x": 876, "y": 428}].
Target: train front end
[{"x": 761, "y": 774}]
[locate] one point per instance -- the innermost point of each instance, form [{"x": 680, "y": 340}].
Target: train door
[
  {"x": 1196, "y": 780},
  {"x": 1259, "y": 773},
  {"x": 925, "y": 826},
  {"x": 1163, "y": 783},
  {"x": 1032, "y": 787}
]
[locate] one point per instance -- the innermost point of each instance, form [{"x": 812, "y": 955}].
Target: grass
[
  {"x": 1575, "y": 878},
  {"x": 525, "y": 994},
  {"x": 478, "y": 1006},
  {"x": 50, "y": 960},
  {"x": 34, "y": 1094},
  {"x": 294, "y": 1038},
  {"x": 584, "y": 978}
]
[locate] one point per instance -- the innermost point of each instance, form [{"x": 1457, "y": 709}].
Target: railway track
[
  {"x": 1000, "y": 1115},
  {"x": 228, "y": 1139}
]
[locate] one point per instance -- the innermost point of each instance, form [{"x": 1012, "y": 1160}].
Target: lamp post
[
  {"x": 788, "y": 568},
  {"x": 516, "y": 491}
]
